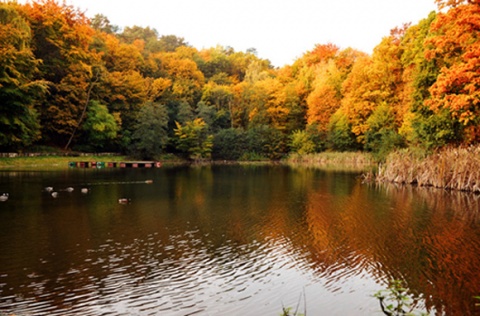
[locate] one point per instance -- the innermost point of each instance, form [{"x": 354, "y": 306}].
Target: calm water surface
[{"x": 230, "y": 240}]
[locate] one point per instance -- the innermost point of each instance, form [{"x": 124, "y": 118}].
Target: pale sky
[{"x": 280, "y": 30}]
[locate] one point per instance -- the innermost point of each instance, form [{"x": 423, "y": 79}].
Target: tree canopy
[{"x": 67, "y": 78}]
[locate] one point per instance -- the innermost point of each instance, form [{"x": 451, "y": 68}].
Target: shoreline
[
  {"x": 450, "y": 168},
  {"x": 330, "y": 160}
]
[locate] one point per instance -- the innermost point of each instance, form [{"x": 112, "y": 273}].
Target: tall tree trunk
[{"x": 83, "y": 111}]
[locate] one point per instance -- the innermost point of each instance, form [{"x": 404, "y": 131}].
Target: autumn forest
[{"x": 70, "y": 82}]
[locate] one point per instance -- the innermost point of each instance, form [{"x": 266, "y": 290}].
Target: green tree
[
  {"x": 185, "y": 113},
  {"x": 215, "y": 119},
  {"x": 19, "y": 91},
  {"x": 381, "y": 136},
  {"x": 169, "y": 43},
  {"x": 296, "y": 109},
  {"x": 132, "y": 33},
  {"x": 435, "y": 129},
  {"x": 421, "y": 125},
  {"x": 264, "y": 141},
  {"x": 150, "y": 134},
  {"x": 101, "y": 23},
  {"x": 301, "y": 143},
  {"x": 229, "y": 144},
  {"x": 206, "y": 113},
  {"x": 216, "y": 64},
  {"x": 124, "y": 93},
  {"x": 193, "y": 140},
  {"x": 340, "y": 135},
  {"x": 100, "y": 126},
  {"x": 318, "y": 137}
]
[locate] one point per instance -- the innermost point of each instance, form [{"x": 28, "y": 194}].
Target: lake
[{"x": 231, "y": 240}]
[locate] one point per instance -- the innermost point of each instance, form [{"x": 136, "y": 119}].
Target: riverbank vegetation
[
  {"x": 338, "y": 158},
  {"x": 336, "y": 161},
  {"x": 83, "y": 84},
  {"x": 450, "y": 168},
  {"x": 396, "y": 301}
]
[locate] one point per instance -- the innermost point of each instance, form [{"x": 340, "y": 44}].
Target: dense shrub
[
  {"x": 266, "y": 142},
  {"x": 150, "y": 135},
  {"x": 229, "y": 144},
  {"x": 340, "y": 135}
]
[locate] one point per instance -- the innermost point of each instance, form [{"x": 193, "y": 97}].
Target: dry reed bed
[
  {"x": 448, "y": 168},
  {"x": 325, "y": 158}
]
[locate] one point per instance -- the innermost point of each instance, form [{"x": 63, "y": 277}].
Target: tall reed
[{"x": 452, "y": 168}]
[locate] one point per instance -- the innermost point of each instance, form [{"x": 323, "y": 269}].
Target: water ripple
[{"x": 199, "y": 253}]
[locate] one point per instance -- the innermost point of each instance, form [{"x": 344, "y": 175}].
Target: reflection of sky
[{"x": 232, "y": 284}]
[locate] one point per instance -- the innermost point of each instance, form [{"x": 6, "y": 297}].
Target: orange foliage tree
[
  {"x": 456, "y": 45},
  {"x": 454, "y": 3},
  {"x": 373, "y": 81},
  {"x": 62, "y": 38},
  {"x": 328, "y": 91},
  {"x": 326, "y": 94},
  {"x": 322, "y": 103}
]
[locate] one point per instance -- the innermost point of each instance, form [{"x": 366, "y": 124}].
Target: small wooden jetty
[{"x": 116, "y": 164}]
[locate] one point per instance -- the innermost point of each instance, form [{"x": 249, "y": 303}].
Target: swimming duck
[
  {"x": 123, "y": 201},
  {"x": 54, "y": 194},
  {"x": 49, "y": 189},
  {"x": 3, "y": 197},
  {"x": 69, "y": 189},
  {"x": 84, "y": 190}
]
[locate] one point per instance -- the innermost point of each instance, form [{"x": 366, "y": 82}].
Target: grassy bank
[
  {"x": 345, "y": 160},
  {"x": 360, "y": 161},
  {"x": 448, "y": 168},
  {"x": 50, "y": 162}
]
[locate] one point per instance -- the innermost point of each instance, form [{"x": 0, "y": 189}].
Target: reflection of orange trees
[
  {"x": 443, "y": 243},
  {"x": 452, "y": 246},
  {"x": 328, "y": 220},
  {"x": 427, "y": 238},
  {"x": 341, "y": 228}
]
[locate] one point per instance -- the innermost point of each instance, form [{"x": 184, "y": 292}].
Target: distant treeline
[{"x": 86, "y": 85}]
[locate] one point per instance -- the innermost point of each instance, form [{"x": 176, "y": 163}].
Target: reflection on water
[{"x": 230, "y": 240}]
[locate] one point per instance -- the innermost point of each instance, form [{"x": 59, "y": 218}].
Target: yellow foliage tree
[
  {"x": 187, "y": 80},
  {"x": 373, "y": 81}
]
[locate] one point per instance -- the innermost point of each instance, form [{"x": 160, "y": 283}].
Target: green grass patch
[{"x": 51, "y": 162}]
